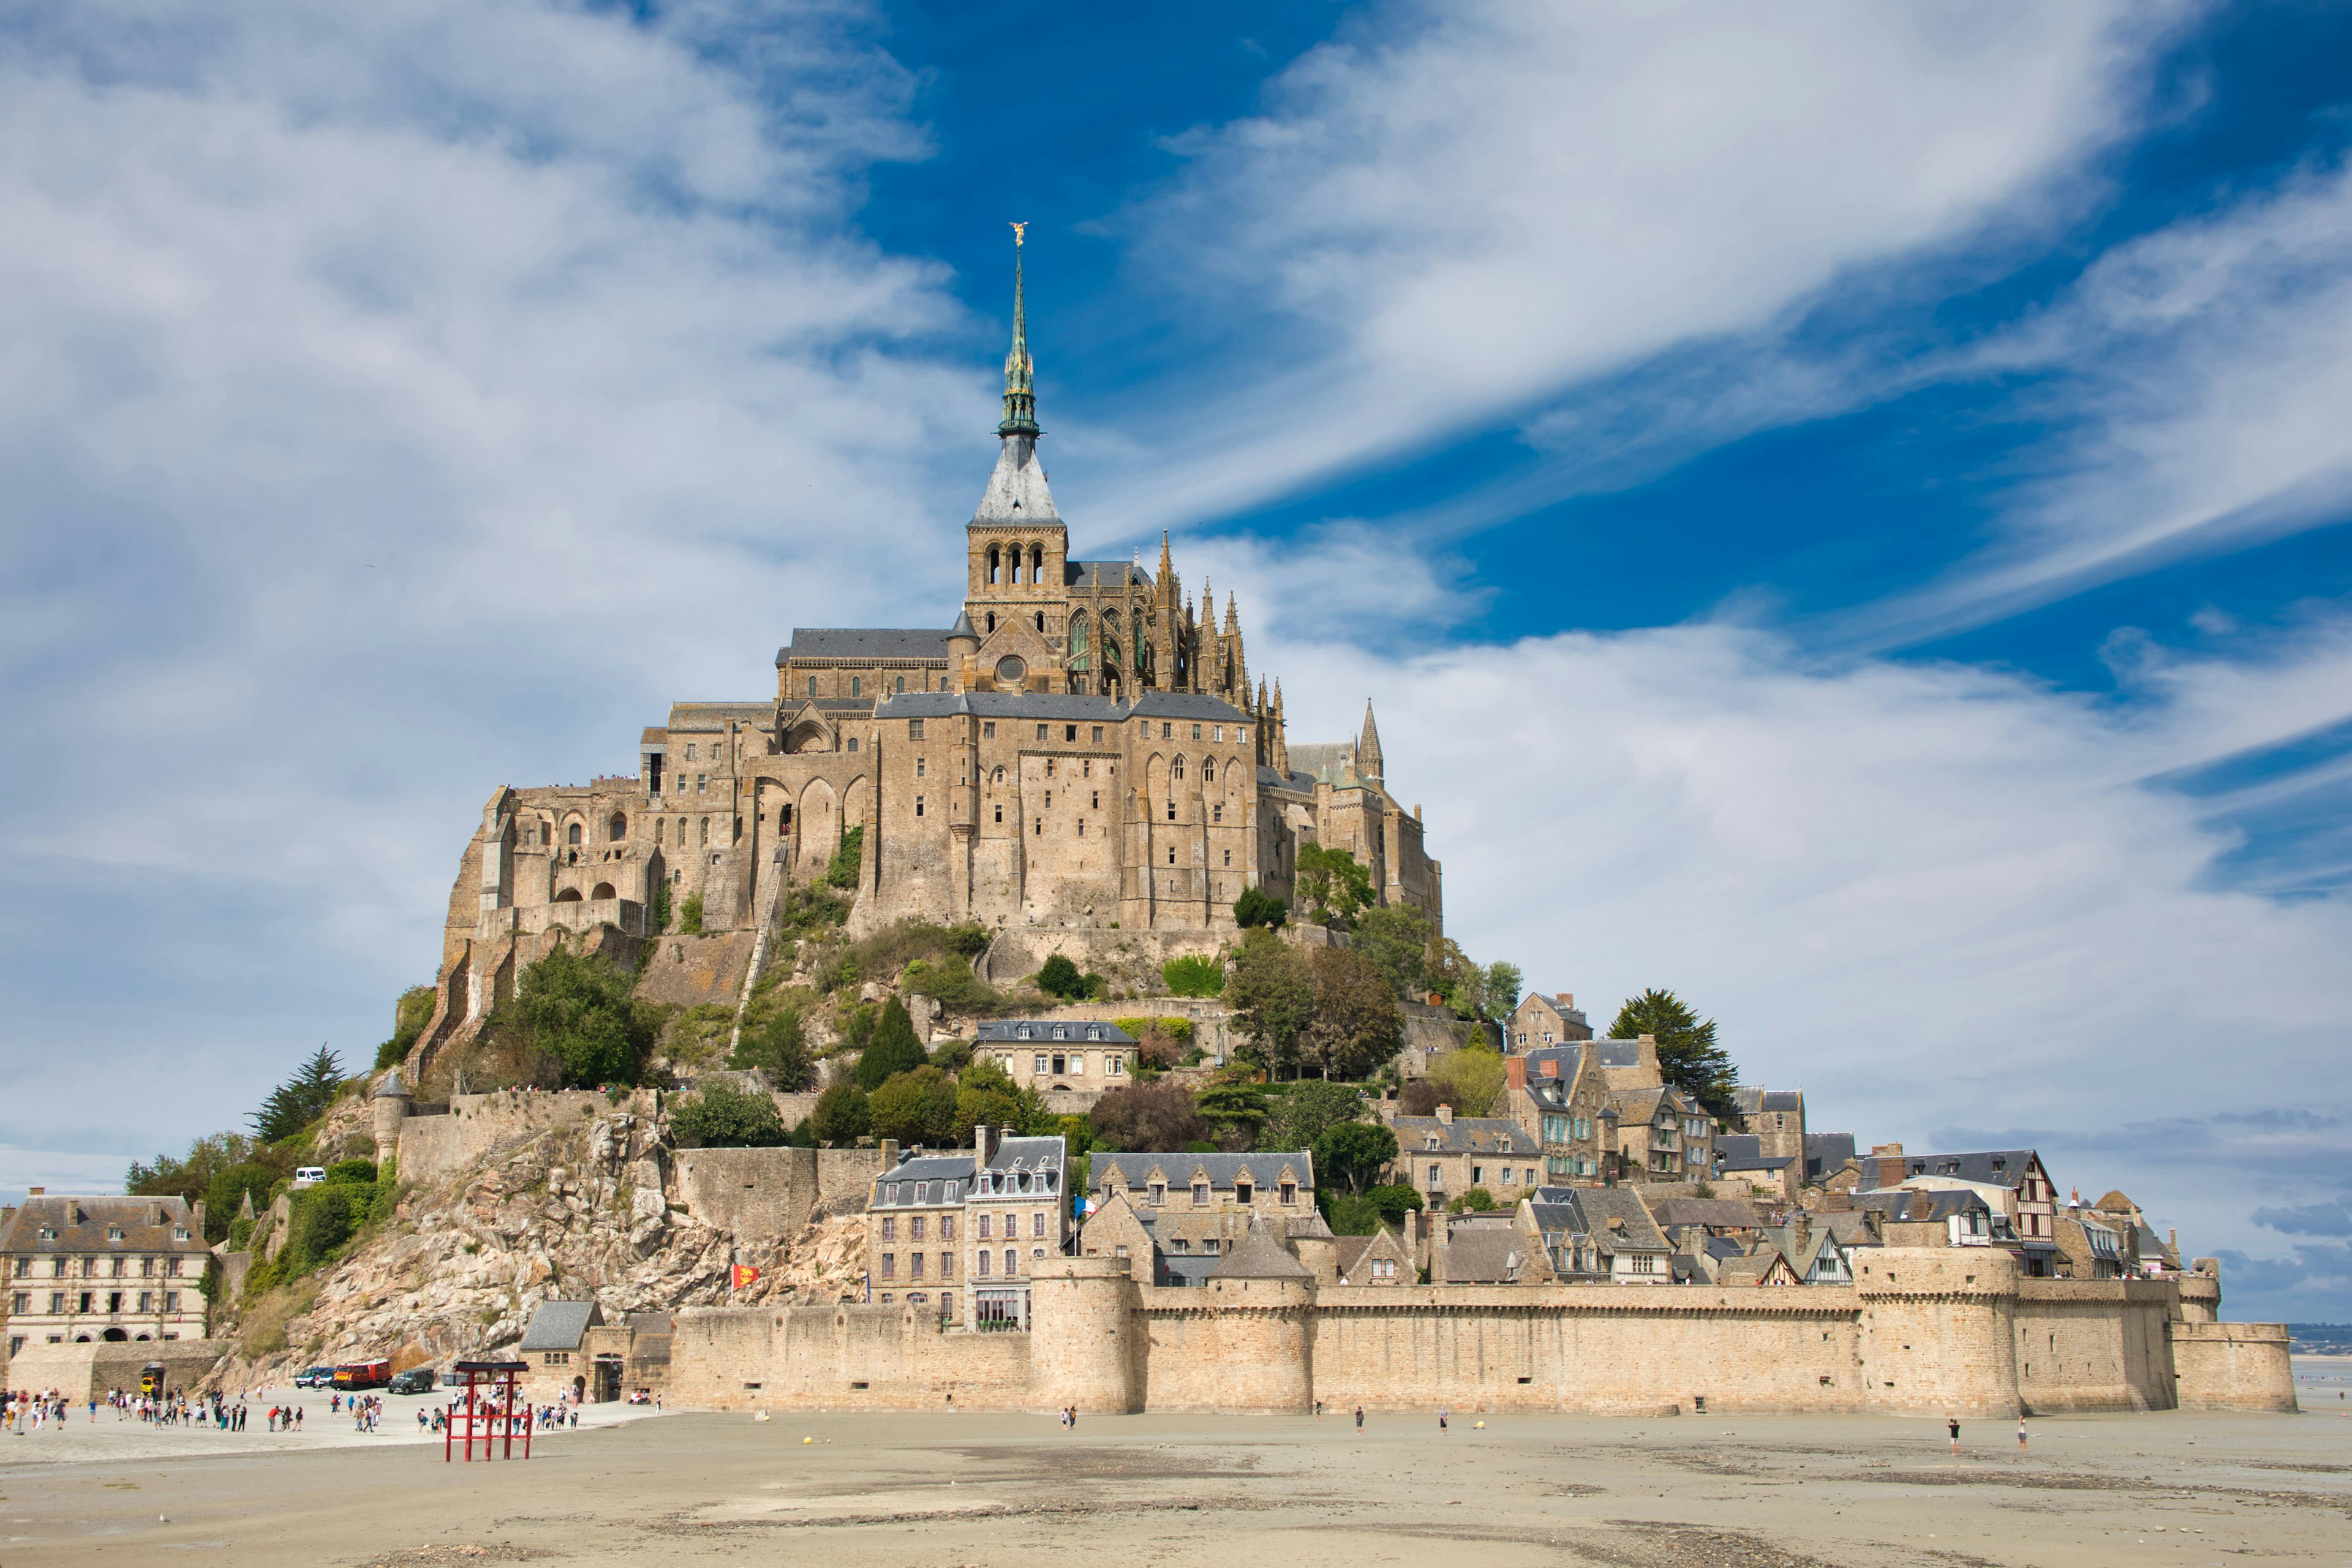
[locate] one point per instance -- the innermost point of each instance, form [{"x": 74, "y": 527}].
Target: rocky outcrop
[{"x": 565, "y": 1213}]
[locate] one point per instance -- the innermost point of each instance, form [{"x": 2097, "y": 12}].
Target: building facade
[{"x": 104, "y": 1269}]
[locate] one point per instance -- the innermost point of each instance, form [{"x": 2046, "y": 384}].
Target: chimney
[
  {"x": 34, "y": 1192},
  {"x": 1446, "y": 1114},
  {"x": 1551, "y": 1066},
  {"x": 890, "y": 1155},
  {"x": 1566, "y": 999},
  {"x": 1515, "y": 1072},
  {"x": 983, "y": 1144}
]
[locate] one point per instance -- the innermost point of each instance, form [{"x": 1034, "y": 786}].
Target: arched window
[
  {"x": 572, "y": 834},
  {"x": 703, "y": 837},
  {"x": 618, "y": 828},
  {"x": 856, "y": 685},
  {"x": 1208, "y": 770},
  {"x": 992, "y": 620},
  {"x": 1036, "y": 563},
  {"x": 658, "y": 826},
  {"x": 602, "y": 891},
  {"x": 812, "y": 686},
  {"x": 1180, "y": 767},
  {"x": 900, "y": 686},
  {"x": 1041, "y": 620},
  {"x": 1078, "y": 644},
  {"x": 994, "y": 566},
  {"x": 996, "y": 777}
]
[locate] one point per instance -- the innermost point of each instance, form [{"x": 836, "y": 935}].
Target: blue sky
[{"x": 1841, "y": 511}]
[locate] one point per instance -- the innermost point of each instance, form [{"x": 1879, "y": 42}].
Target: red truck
[{"x": 363, "y": 1373}]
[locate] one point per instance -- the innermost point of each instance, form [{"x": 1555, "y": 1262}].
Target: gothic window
[
  {"x": 618, "y": 828},
  {"x": 1037, "y": 569},
  {"x": 1041, "y": 620},
  {"x": 658, "y": 826},
  {"x": 572, "y": 834},
  {"x": 704, "y": 835},
  {"x": 993, "y": 566},
  {"x": 1208, "y": 767},
  {"x": 992, "y": 620},
  {"x": 996, "y": 777},
  {"x": 1180, "y": 767},
  {"x": 856, "y": 684},
  {"x": 1078, "y": 658}
]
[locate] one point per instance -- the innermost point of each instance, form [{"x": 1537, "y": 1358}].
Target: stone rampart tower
[
  {"x": 1938, "y": 1333},
  {"x": 1083, "y": 1329}
]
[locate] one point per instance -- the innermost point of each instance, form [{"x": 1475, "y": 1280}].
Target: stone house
[
  {"x": 1764, "y": 1266},
  {"x": 1957, "y": 1216},
  {"x": 1443, "y": 1156},
  {"x": 1556, "y": 1094},
  {"x": 1539, "y": 1020},
  {"x": 1742, "y": 1166},
  {"x": 1201, "y": 1205},
  {"x": 1380, "y": 1258},
  {"x": 940, "y": 1227},
  {"x": 1593, "y": 1234},
  {"x": 2090, "y": 1246},
  {"x": 2012, "y": 1180},
  {"x": 1071, "y": 1062},
  {"x": 1663, "y": 1135},
  {"x": 1489, "y": 1253},
  {"x": 104, "y": 1269}
]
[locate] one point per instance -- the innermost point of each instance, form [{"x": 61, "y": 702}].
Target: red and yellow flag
[{"x": 743, "y": 1274}]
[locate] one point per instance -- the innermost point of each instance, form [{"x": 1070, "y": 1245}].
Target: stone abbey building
[{"x": 1080, "y": 747}]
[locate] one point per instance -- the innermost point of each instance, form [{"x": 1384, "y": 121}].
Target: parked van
[{"x": 309, "y": 1176}]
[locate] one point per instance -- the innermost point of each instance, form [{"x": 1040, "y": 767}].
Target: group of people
[{"x": 22, "y": 1412}]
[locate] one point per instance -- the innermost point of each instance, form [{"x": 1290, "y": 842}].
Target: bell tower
[{"x": 1016, "y": 546}]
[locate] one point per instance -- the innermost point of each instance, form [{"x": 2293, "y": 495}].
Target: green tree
[
  {"x": 409, "y": 1017},
  {"x": 841, "y": 869},
  {"x": 1060, "y": 978},
  {"x": 1256, "y": 907},
  {"x": 916, "y": 1107},
  {"x": 1355, "y": 1025},
  {"x": 778, "y": 1046},
  {"x": 720, "y": 1116},
  {"x": 1394, "y": 1201},
  {"x": 1498, "y": 991},
  {"x": 1351, "y": 1155},
  {"x": 986, "y": 1097},
  {"x": 226, "y": 1192},
  {"x": 1331, "y": 882},
  {"x": 1233, "y": 1104},
  {"x": 689, "y": 915},
  {"x": 1689, "y": 1056},
  {"x": 893, "y": 1049},
  {"x": 968, "y": 939},
  {"x": 1468, "y": 1080},
  {"x": 1395, "y": 940},
  {"x": 301, "y": 1099},
  {"x": 1193, "y": 976},
  {"x": 1477, "y": 1200},
  {"x": 842, "y": 1116},
  {"x": 661, "y": 911},
  {"x": 1272, "y": 993},
  {"x": 1148, "y": 1117},
  {"x": 585, "y": 1012},
  {"x": 1305, "y": 1110}
]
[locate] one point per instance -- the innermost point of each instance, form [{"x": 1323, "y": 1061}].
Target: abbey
[{"x": 1081, "y": 747}]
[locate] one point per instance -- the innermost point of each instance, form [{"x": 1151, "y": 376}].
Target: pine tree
[
  {"x": 301, "y": 1099},
  {"x": 1689, "y": 1056}
]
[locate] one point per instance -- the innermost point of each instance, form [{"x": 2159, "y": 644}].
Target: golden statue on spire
[{"x": 1018, "y": 230}]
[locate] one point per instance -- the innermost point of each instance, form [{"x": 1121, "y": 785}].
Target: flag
[{"x": 743, "y": 1274}]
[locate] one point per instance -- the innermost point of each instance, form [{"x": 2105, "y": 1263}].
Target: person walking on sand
[
  {"x": 1441, "y": 1420},
  {"x": 1359, "y": 1417},
  {"x": 2020, "y": 1434},
  {"x": 1954, "y": 1423}
]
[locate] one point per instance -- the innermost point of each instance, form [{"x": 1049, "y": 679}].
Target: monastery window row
[
  {"x": 1005, "y": 563},
  {"x": 117, "y": 1268}
]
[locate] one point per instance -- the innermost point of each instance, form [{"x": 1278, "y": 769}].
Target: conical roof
[
  {"x": 964, "y": 628},
  {"x": 1260, "y": 1257},
  {"x": 1016, "y": 490},
  {"x": 392, "y": 1088}
]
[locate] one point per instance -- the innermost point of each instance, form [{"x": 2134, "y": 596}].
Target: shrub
[
  {"x": 1148, "y": 1117},
  {"x": 1060, "y": 978},
  {"x": 951, "y": 1055},
  {"x": 1193, "y": 976},
  {"x": 842, "y": 1115},
  {"x": 893, "y": 1049},
  {"x": 584, "y": 1011},
  {"x": 720, "y": 1116},
  {"x": 953, "y": 986},
  {"x": 1394, "y": 1201},
  {"x": 778, "y": 1046},
  {"x": 841, "y": 870},
  {"x": 1477, "y": 1200},
  {"x": 808, "y": 907},
  {"x": 689, "y": 916},
  {"x": 661, "y": 911},
  {"x": 695, "y": 1034},
  {"x": 1350, "y": 1214},
  {"x": 409, "y": 1017},
  {"x": 352, "y": 1170},
  {"x": 915, "y": 1107},
  {"x": 968, "y": 939},
  {"x": 1469, "y": 1081},
  {"x": 1256, "y": 907}
]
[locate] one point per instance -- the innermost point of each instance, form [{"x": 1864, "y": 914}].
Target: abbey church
[{"x": 1081, "y": 747}]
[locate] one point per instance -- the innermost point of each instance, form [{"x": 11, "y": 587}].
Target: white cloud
[
  {"x": 1941, "y": 900},
  {"x": 1460, "y": 209},
  {"x": 403, "y": 399}
]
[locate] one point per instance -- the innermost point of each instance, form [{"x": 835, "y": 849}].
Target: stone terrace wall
[
  {"x": 91, "y": 1369},
  {"x": 432, "y": 1147},
  {"x": 2089, "y": 1344},
  {"x": 770, "y": 1193},
  {"x": 843, "y": 1358},
  {"x": 2234, "y": 1366}
]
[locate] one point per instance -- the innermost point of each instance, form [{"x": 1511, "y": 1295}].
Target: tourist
[
  {"x": 1359, "y": 1417},
  {"x": 1954, "y": 1423},
  {"x": 1440, "y": 1418},
  {"x": 2020, "y": 1434}
]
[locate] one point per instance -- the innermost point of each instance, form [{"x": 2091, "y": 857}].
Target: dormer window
[
  {"x": 1158, "y": 1193},
  {"x": 1060, "y": 1033},
  {"x": 114, "y": 1233}
]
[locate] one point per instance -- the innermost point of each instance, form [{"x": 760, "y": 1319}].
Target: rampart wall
[
  {"x": 1930, "y": 1331},
  {"x": 432, "y": 1147},
  {"x": 769, "y": 1193}
]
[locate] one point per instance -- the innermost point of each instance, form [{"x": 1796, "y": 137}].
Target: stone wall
[
  {"x": 843, "y": 1358},
  {"x": 433, "y": 1147},
  {"x": 768, "y": 1195},
  {"x": 2234, "y": 1366},
  {"x": 91, "y": 1370},
  {"x": 2093, "y": 1345}
]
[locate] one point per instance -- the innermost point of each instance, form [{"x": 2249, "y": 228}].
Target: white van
[{"x": 309, "y": 1176}]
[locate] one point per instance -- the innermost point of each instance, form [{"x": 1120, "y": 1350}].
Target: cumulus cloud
[
  {"x": 1448, "y": 211},
  {"x": 402, "y": 400},
  {"x": 1944, "y": 900}
]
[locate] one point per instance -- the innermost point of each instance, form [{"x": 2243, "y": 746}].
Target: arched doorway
[{"x": 115, "y": 1337}]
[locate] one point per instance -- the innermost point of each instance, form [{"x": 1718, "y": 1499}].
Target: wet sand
[{"x": 1008, "y": 1491}]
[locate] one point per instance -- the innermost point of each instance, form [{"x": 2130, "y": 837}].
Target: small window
[
  {"x": 1200, "y": 1195},
  {"x": 922, "y": 766},
  {"x": 1098, "y": 735},
  {"x": 1040, "y": 731},
  {"x": 914, "y": 728},
  {"x": 1196, "y": 731},
  {"x": 853, "y": 743},
  {"x": 918, "y": 805},
  {"x": 1069, "y": 731},
  {"x": 988, "y": 730}
]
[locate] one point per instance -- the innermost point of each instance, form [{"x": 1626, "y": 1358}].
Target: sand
[{"x": 1006, "y": 1491}]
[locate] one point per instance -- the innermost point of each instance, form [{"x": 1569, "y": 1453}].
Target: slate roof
[
  {"x": 560, "y": 1325},
  {"x": 1602, "y": 1205},
  {"x": 1826, "y": 1153},
  {"x": 937, "y": 1168},
  {"x": 1265, "y": 1165},
  {"x": 1849, "y": 1227},
  {"x": 1749, "y": 1100},
  {"x": 1910, "y": 1205},
  {"x": 1260, "y": 1257},
  {"x": 1744, "y": 1152},
  {"x": 922, "y": 644},
  {"x": 1567, "y": 1056},
  {"x": 1104, "y": 575},
  {"x": 1993, "y": 1167},
  {"x": 1715, "y": 1214},
  {"x": 1303, "y": 782},
  {"x": 1073, "y": 1031},
  {"x": 1188, "y": 1268},
  {"x": 1027, "y": 1154},
  {"x": 1619, "y": 1053},
  {"x": 1464, "y": 1135},
  {"x": 148, "y": 1225},
  {"x": 1348, "y": 1252},
  {"x": 1484, "y": 1255},
  {"x": 1187, "y": 705}
]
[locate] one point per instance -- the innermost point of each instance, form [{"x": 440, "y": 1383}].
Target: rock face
[{"x": 569, "y": 1213}]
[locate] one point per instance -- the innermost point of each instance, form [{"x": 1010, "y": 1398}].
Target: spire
[
  {"x": 1167, "y": 566},
  {"x": 1020, "y": 375},
  {"x": 1368, "y": 747},
  {"x": 1232, "y": 621}
]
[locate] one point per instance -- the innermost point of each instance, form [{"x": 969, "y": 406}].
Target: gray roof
[
  {"x": 1260, "y": 1257},
  {"x": 1903, "y": 1203},
  {"x": 81, "y": 1224},
  {"x": 1994, "y": 1167},
  {"x": 1043, "y": 1032},
  {"x": 895, "y": 1185},
  {"x": 1602, "y": 1205},
  {"x": 922, "y": 644},
  {"x": 1826, "y": 1153},
  {"x": 1744, "y": 1152},
  {"x": 1566, "y": 1056},
  {"x": 1749, "y": 1101},
  {"x": 1484, "y": 1255},
  {"x": 1188, "y": 1268},
  {"x": 1619, "y": 1053},
  {"x": 1186, "y": 705},
  {"x": 1463, "y": 1135},
  {"x": 1556, "y": 1219},
  {"x": 1104, "y": 575},
  {"x": 1720, "y": 1214},
  {"x": 560, "y": 1325},
  {"x": 1028, "y": 1154},
  {"x": 1177, "y": 1167}
]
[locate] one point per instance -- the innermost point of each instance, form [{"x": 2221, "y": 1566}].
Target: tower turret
[{"x": 1368, "y": 749}]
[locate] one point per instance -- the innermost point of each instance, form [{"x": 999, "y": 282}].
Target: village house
[
  {"x": 2012, "y": 1180},
  {"x": 1557, "y": 1095},
  {"x": 104, "y": 1269},
  {"x": 1194, "y": 1208},
  {"x": 1541, "y": 1020},
  {"x": 1381, "y": 1259},
  {"x": 1443, "y": 1156},
  {"x": 1071, "y": 1063},
  {"x": 942, "y": 1226}
]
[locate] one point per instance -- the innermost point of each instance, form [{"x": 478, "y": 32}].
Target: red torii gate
[{"x": 488, "y": 1406}]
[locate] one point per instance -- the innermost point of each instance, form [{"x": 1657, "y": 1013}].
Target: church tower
[{"x": 1017, "y": 547}]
